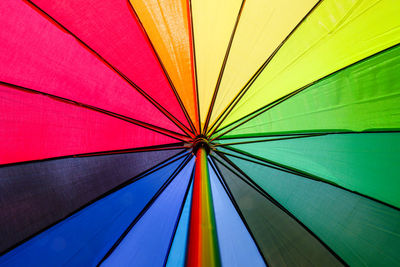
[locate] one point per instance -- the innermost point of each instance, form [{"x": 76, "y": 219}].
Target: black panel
[
  {"x": 282, "y": 240},
  {"x": 36, "y": 195}
]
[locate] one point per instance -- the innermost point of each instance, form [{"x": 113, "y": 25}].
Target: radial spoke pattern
[{"x": 199, "y": 133}]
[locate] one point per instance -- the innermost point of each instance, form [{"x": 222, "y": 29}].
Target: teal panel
[{"x": 364, "y": 162}]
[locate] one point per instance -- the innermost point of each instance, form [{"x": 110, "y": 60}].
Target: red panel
[
  {"x": 34, "y": 126},
  {"x": 34, "y": 53},
  {"x": 111, "y": 29}
]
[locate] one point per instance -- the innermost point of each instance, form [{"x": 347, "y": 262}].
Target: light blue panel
[
  {"x": 177, "y": 255},
  {"x": 237, "y": 247},
  {"x": 84, "y": 238},
  {"x": 148, "y": 241}
]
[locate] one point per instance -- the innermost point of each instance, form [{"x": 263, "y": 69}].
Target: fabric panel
[
  {"x": 43, "y": 57},
  {"x": 263, "y": 26},
  {"x": 360, "y": 230},
  {"x": 236, "y": 246},
  {"x": 335, "y": 35},
  {"x": 362, "y": 97},
  {"x": 177, "y": 254},
  {"x": 167, "y": 25},
  {"x": 37, "y": 127},
  {"x": 36, "y": 195},
  {"x": 84, "y": 238},
  {"x": 213, "y": 23},
  {"x": 147, "y": 243},
  {"x": 282, "y": 240},
  {"x": 363, "y": 162},
  {"x": 111, "y": 29}
]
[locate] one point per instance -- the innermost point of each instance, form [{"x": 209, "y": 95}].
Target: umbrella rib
[
  {"x": 267, "y": 107},
  {"x": 193, "y": 61},
  {"x": 257, "y": 188},
  {"x": 171, "y": 146},
  {"x": 232, "y": 199},
  {"x": 295, "y": 136},
  {"x": 141, "y": 175},
  {"x": 103, "y": 111},
  {"x": 275, "y": 134},
  {"x": 148, "y": 205},
  {"x": 245, "y": 88},
  {"x": 118, "y": 72},
  {"x": 222, "y": 70},
  {"x": 269, "y": 140},
  {"x": 164, "y": 69},
  {"x": 298, "y": 172},
  {"x": 179, "y": 218}
]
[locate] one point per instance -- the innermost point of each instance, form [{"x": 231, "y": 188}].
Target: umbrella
[{"x": 199, "y": 133}]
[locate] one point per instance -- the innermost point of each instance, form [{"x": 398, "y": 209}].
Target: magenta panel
[
  {"x": 33, "y": 126},
  {"x": 43, "y": 57}
]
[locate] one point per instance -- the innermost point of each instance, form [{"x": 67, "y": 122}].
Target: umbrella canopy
[{"x": 199, "y": 133}]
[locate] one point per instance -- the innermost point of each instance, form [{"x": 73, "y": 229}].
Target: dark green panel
[
  {"x": 361, "y": 231},
  {"x": 282, "y": 240}
]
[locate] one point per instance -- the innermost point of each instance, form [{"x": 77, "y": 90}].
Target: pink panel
[
  {"x": 36, "y": 54},
  {"x": 33, "y": 126},
  {"x": 110, "y": 28}
]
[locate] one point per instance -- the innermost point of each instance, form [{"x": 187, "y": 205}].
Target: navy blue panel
[
  {"x": 84, "y": 238},
  {"x": 36, "y": 195},
  {"x": 148, "y": 241}
]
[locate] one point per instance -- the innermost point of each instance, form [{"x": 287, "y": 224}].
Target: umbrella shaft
[{"x": 203, "y": 244}]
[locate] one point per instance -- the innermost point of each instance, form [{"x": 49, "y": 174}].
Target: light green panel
[
  {"x": 362, "y": 97},
  {"x": 364, "y": 162},
  {"x": 361, "y": 231},
  {"x": 336, "y": 34}
]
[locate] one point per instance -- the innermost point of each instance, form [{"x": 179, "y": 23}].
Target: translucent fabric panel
[
  {"x": 110, "y": 28},
  {"x": 363, "y": 162},
  {"x": 36, "y": 195},
  {"x": 36, "y": 54},
  {"x": 282, "y": 240},
  {"x": 37, "y": 127},
  {"x": 237, "y": 247},
  {"x": 263, "y": 26},
  {"x": 335, "y": 35},
  {"x": 213, "y": 24},
  {"x": 147, "y": 243},
  {"x": 362, "y": 97},
  {"x": 177, "y": 254},
  {"x": 362, "y": 231},
  {"x": 166, "y": 23},
  {"x": 85, "y": 237}
]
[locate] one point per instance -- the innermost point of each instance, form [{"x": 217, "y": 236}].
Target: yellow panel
[
  {"x": 166, "y": 23},
  {"x": 263, "y": 25},
  {"x": 213, "y": 23},
  {"x": 336, "y": 34}
]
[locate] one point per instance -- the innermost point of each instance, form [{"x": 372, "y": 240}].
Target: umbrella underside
[{"x": 199, "y": 133}]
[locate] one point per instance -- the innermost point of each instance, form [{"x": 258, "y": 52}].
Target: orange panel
[{"x": 167, "y": 25}]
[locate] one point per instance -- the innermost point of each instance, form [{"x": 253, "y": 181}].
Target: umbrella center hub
[{"x": 201, "y": 141}]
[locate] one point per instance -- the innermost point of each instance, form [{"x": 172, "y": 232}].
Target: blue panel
[
  {"x": 148, "y": 241},
  {"x": 237, "y": 247},
  {"x": 84, "y": 238},
  {"x": 177, "y": 255}
]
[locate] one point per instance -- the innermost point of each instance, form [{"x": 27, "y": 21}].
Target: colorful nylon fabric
[{"x": 200, "y": 133}]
